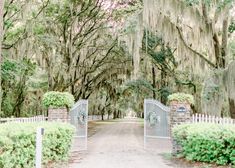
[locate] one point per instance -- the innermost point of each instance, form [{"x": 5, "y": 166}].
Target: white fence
[
  {"x": 39, "y": 118},
  {"x": 203, "y": 118}
]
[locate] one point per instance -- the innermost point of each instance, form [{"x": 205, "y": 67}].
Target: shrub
[
  {"x": 181, "y": 97},
  {"x": 55, "y": 99},
  {"x": 17, "y": 143},
  {"x": 205, "y": 142}
]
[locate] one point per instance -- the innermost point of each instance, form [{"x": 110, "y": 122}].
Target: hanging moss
[
  {"x": 213, "y": 93},
  {"x": 230, "y": 80},
  {"x": 133, "y": 38},
  {"x": 182, "y": 25}
]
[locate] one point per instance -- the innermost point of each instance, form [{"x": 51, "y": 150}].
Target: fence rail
[
  {"x": 39, "y": 118},
  {"x": 203, "y": 118}
]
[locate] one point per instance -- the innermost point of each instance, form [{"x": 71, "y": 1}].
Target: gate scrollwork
[{"x": 153, "y": 118}]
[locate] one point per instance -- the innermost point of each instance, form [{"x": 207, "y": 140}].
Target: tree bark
[
  {"x": 114, "y": 114},
  {"x": 102, "y": 116},
  {"x": 163, "y": 85},
  {"x": 217, "y": 50},
  {"x": 1, "y": 37},
  {"x": 154, "y": 81},
  {"x": 232, "y": 108},
  {"x": 224, "y": 41},
  {"x": 203, "y": 57}
]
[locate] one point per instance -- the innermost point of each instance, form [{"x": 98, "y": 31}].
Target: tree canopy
[{"x": 116, "y": 53}]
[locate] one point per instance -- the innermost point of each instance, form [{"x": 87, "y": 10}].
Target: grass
[
  {"x": 166, "y": 156},
  {"x": 184, "y": 163}
]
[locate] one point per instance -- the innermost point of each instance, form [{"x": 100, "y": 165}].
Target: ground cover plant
[
  {"x": 17, "y": 143},
  {"x": 212, "y": 143}
]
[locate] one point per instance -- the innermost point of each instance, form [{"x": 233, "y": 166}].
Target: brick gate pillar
[
  {"x": 58, "y": 114},
  {"x": 179, "y": 114}
]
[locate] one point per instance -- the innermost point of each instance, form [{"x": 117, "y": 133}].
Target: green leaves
[
  {"x": 162, "y": 54},
  {"x": 58, "y": 99},
  {"x": 181, "y": 97},
  {"x": 205, "y": 142},
  {"x": 231, "y": 27},
  {"x": 192, "y": 2},
  {"x": 17, "y": 143},
  {"x": 11, "y": 69},
  {"x": 15, "y": 77}
]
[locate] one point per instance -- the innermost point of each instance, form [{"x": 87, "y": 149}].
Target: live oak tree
[
  {"x": 162, "y": 59},
  {"x": 72, "y": 42},
  {"x": 17, "y": 66},
  {"x": 98, "y": 47},
  {"x": 200, "y": 30}
]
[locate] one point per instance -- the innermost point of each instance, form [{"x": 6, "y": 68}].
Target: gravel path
[{"x": 119, "y": 144}]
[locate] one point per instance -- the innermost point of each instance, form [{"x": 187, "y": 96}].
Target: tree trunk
[
  {"x": 154, "y": 81},
  {"x": 163, "y": 85},
  {"x": 114, "y": 115},
  {"x": 118, "y": 114},
  {"x": 224, "y": 41},
  {"x": 232, "y": 108},
  {"x": 217, "y": 50},
  {"x": 221, "y": 50},
  {"x": 1, "y": 37},
  {"x": 102, "y": 116}
]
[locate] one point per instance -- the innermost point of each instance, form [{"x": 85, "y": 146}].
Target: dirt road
[{"x": 119, "y": 144}]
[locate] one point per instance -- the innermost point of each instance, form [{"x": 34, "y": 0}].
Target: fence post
[{"x": 40, "y": 132}]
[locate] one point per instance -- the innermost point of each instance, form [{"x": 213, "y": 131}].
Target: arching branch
[{"x": 194, "y": 51}]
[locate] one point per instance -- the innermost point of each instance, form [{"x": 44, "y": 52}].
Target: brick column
[
  {"x": 58, "y": 114},
  {"x": 179, "y": 114}
]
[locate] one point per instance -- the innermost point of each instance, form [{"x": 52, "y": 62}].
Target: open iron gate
[
  {"x": 156, "y": 120},
  {"x": 79, "y": 118}
]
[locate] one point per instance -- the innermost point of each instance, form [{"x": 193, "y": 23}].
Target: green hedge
[
  {"x": 17, "y": 143},
  {"x": 181, "y": 97},
  {"x": 58, "y": 99},
  {"x": 205, "y": 142}
]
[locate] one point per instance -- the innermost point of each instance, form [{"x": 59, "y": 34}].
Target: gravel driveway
[{"x": 119, "y": 144}]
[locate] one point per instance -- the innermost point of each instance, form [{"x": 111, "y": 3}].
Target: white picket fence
[
  {"x": 203, "y": 118},
  {"x": 39, "y": 118}
]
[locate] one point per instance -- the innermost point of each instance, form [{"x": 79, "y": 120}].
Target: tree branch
[{"x": 193, "y": 50}]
